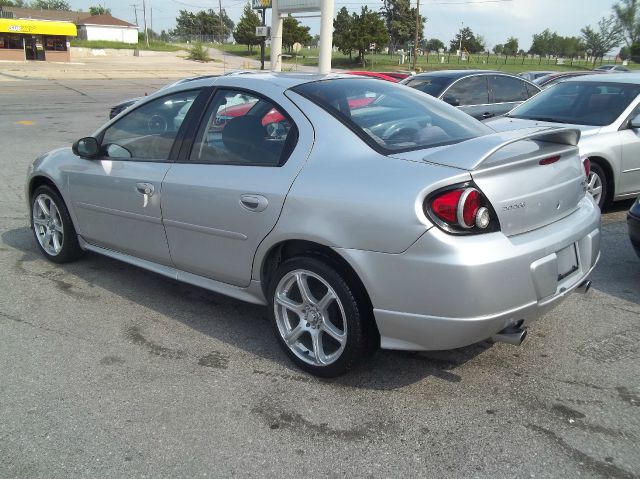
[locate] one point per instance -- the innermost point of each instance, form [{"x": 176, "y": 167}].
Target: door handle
[
  {"x": 486, "y": 114},
  {"x": 254, "y": 202},
  {"x": 145, "y": 189}
]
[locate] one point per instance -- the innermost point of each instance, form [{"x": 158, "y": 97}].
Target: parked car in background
[
  {"x": 534, "y": 74},
  {"x": 606, "y": 108},
  {"x": 633, "y": 222},
  {"x": 553, "y": 78},
  {"x": 398, "y": 222},
  {"x": 480, "y": 93},
  {"x": 612, "y": 68}
]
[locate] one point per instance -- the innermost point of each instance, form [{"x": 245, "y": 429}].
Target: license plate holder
[{"x": 567, "y": 261}]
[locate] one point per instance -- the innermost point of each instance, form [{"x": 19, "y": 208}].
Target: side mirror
[
  {"x": 451, "y": 100},
  {"x": 635, "y": 122},
  {"x": 86, "y": 147}
]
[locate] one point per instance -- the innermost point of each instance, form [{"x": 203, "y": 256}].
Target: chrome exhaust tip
[
  {"x": 511, "y": 335},
  {"x": 584, "y": 287}
]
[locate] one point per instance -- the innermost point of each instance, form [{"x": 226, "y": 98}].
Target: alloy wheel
[
  {"x": 310, "y": 317},
  {"x": 47, "y": 224},
  {"x": 594, "y": 186}
]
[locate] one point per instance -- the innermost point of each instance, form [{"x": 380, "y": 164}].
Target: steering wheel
[{"x": 157, "y": 124}]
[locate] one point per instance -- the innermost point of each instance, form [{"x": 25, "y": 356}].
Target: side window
[
  {"x": 243, "y": 129},
  {"x": 148, "y": 132},
  {"x": 469, "y": 91},
  {"x": 507, "y": 89}
]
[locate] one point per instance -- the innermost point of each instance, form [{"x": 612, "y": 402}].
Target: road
[{"x": 110, "y": 371}]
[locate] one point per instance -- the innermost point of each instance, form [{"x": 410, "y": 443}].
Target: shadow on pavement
[{"x": 239, "y": 324}]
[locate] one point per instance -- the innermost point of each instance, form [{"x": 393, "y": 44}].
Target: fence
[{"x": 491, "y": 59}]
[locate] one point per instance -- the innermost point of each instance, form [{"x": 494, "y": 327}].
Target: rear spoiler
[{"x": 469, "y": 155}]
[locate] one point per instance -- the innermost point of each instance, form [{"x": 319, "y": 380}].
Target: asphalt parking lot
[{"x": 107, "y": 370}]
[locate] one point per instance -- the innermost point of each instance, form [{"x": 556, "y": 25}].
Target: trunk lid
[{"x": 531, "y": 177}]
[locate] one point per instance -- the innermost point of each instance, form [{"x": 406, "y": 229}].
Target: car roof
[
  {"x": 282, "y": 81},
  {"x": 632, "y": 78}
]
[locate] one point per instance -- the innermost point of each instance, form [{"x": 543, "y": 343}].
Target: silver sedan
[{"x": 363, "y": 213}]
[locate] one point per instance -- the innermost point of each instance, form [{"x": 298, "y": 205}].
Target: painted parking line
[{"x": 24, "y": 122}]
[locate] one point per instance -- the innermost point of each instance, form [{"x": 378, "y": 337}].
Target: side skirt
[{"x": 252, "y": 294}]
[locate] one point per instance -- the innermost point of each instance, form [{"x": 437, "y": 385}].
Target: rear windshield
[
  {"x": 391, "y": 117},
  {"x": 580, "y": 103},
  {"x": 434, "y": 86}
]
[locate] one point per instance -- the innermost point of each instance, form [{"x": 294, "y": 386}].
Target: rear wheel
[
  {"x": 317, "y": 319},
  {"x": 597, "y": 185},
  {"x": 52, "y": 226}
]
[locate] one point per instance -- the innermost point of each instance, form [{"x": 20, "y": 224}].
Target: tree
[
  {"x": 369, "y": 32},
  {"x": 400, "y": 19},
  {"x": 498, "y": 49},
  {"x": 12, "y": 3},
  {"x": 607, "y": 37},
  {"x": 470, "y": 42},
  {"x": 203, "y": 23},
  {"x": 343, "y": 37},
  {"x": 245, "y": 32},
  {"x": 550, "y": 43},
  {"x": 433, "y": 45},
  {"x": 627, "y": 14},
  {"x": 511, "y": 46},
  {"x": 293, "y": 32},
  {"x": 99, "y": 10},
  {"x": 50, "y": 5}
]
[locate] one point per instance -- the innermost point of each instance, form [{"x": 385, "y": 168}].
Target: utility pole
[
  {"x": 264, "y": 39},
  {"x": 135, "y": 12},
  {"x": 415, "y": 44},
  {"x": 151, "y": 10},
  {"x": 221, "y": 27},
  {"x": 144, "y": 19},
  {"x": 460, "y": 49}
]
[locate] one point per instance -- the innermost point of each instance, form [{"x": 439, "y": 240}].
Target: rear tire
[
  {"x": 53, "y": 229},
  {"x": 317, "y": 317}
]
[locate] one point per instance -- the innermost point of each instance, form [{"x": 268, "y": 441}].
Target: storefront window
[
  {"x": 57, "y": 43},
  {"x": 11, "y": 41}
]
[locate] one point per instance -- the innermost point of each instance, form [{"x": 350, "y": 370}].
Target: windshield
[
  {"x": 434, "y": 85},
  {"x": 580, "y": 103},
  {"x": 391, "y": 117}
]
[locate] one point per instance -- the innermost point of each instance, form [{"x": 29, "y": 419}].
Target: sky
[{"x": 495, "y": 20}]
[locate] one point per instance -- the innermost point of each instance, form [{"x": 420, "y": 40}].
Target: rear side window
[
  {"x": 531, "y": 90},
  {"x": 468, "y": 91},
  {"x": 391, "y": 117},
  {"x": 506, "y": 89},
  {"x": 241, "y": 128},
  {"x": 433, "y": 86}
]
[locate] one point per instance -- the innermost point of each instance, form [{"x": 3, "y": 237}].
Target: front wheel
[
  {"x": 317, "y": 319},
  {"x": 52, "y": 226},
  {"x": 597, "y": 185}
]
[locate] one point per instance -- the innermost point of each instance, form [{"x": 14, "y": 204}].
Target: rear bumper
[{"x": 449, "y": 291}]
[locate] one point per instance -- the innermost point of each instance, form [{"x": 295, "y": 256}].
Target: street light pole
[
  {"x": 415, "y": 43},
  {"x": 460, "y": 49}
]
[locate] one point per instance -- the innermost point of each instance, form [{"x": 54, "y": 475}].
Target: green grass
[
  {"x": 384, "y": 62},
  {"x": 153, "y": 45}
]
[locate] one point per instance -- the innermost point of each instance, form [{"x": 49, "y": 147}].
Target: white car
[{"x": 606, "y": 109}]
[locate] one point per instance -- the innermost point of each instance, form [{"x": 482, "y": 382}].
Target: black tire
[
  {"x": 358, "y": 332},
  {"x": 70, "y": 249},
  {"x": 597, "y": 170}
]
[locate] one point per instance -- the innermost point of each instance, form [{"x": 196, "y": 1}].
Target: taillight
[
  {"x": 587, "y": 167},
  {"x": 461, "y": 209}
]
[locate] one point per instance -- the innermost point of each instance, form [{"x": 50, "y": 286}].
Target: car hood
[{"x": 504, "y": 123}]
